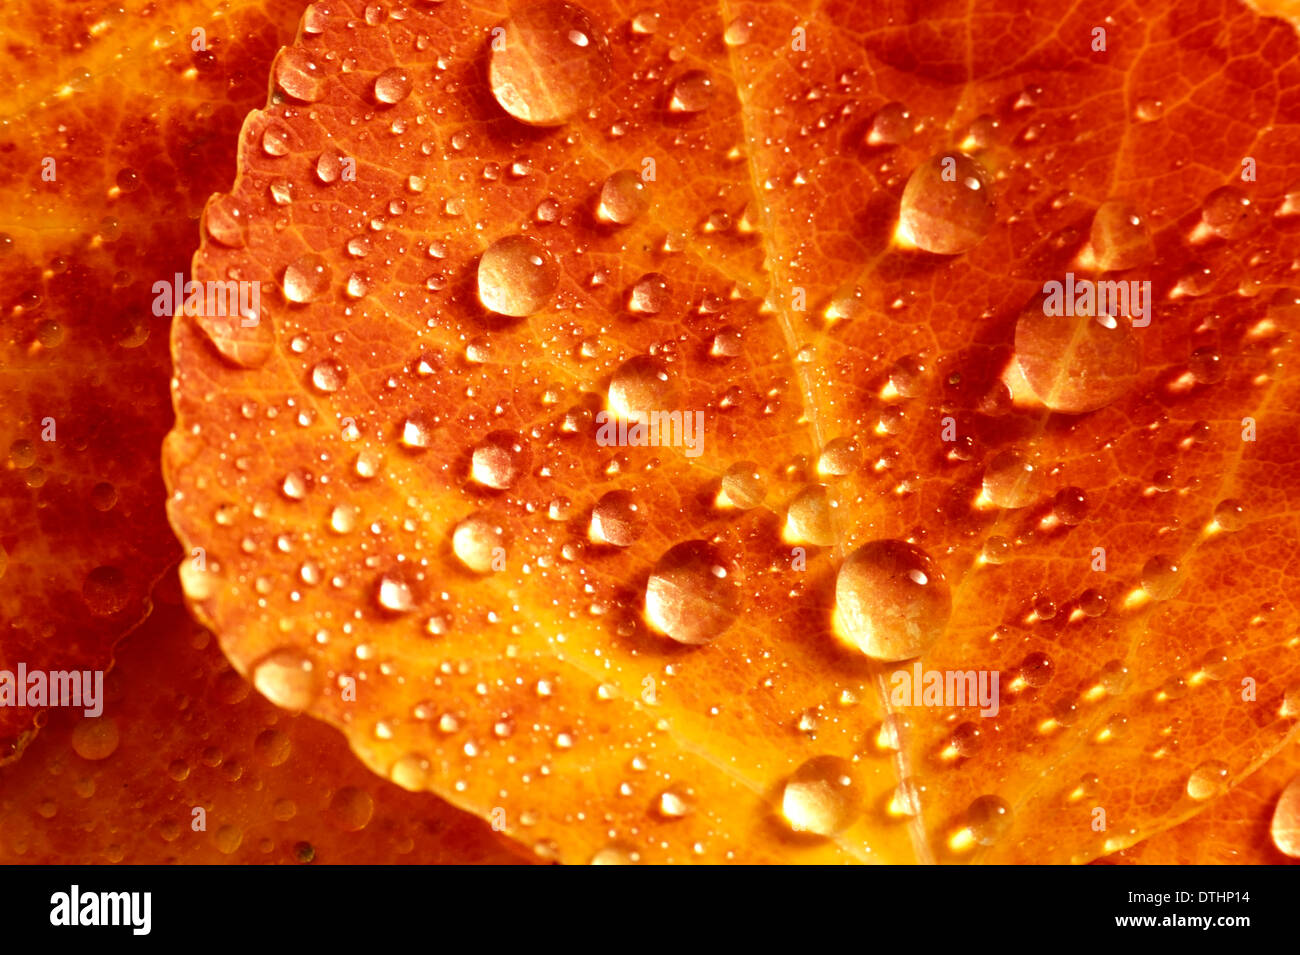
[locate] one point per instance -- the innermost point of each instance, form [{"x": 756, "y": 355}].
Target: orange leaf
[
  {"x": 109, "y": 156},
  {"x": 188, "y": 765},
  {"x": 831, "y": 235}
]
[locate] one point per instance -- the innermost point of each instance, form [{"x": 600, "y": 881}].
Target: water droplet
[
  {"x": 891, "y": 600},
  {"x": 288, "y": 678},
  {"x": 891, "y": 126},
  {"x": 305, "y": 278},
  {"x": 675, "y": 802},
  {"x": 693, "y": 593},
  {"x": 499, "y": 460},
  {"x": 393, "y": 592},
  {"x": 823, "y": 796},
  {"x": 1070, "y": 505},
  {"x": 551, "y": 63},
  {"x": 640, "y": 385},
  {"x": 298, "y": 76},
  {"x": 947, "y": 205},
  {"x": 616, "y": 519},
  {"x": 1161, "y": 577},
  {"x": 105, "y": 591},
  {"x": 294, "y": 485},
  {"x": 95, "y": 738},
  {"x": 649, "y": 295},
  {"x": 516, "y": 276},
  {"x": 1208, "y": 780},
  {"x": 479, "y": 543},
  {"x": 225, "y": 220},
  {"x": 351, "y": 809},
  {"x": 416, "y": 434},
  {"x": 1076, "y": 363},
  {"x": 328, "y": 376},
  {"x": 742, "y": 486},
  {"x": 622, "y": 199},
  {"x": 1011, "y": 480},
  {"x": 1230, "y": 514},
  {"x": 1285, "y": 827},
  {"x": 1206, "y": 365},
  {"x": 617, "y": 854},
  {"x": 692, "y": 93},
  {"x": 1229, "y": 214},
  {"x": 808, "y": 518},
  {"x": 988, "y": 818},
  {"x": 738, "y": 32},
  {"x": 392, "y": 86},
  {"x": 839, "y": 458},
  {"x": 1119, "y": 237}
]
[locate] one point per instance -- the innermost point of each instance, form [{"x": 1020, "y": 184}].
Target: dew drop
[
  {"x": 1208, "y": 780},
  {"x": 328, "y": 376},
  {"x": 516, "y": 276},
  {"x": 947, "y": 205},
  {"x": 226, "y": 220},
  {"x": 649, "y": 295},
  {"x": 675, "y": 802},
  {"x": 616, "y": 520},
  {"x": 988, "y": 818},
  {"x": 622, "y": 199},
  {"x": 1119, "y": 237},
  {"x": 105, "y": 591},
  {"x": 808, "y": 518},
  {"x": 1161, "y": 577},
  {"x": 640, "y": 385},
  {"x": 499, "y": 459},
  {"x": 288, "y": 678},
  {"x": 742, "y": 486},
  {"x": 891, "y": 126},
  {"x": 823, "y": 796},
  {"x": 392, "y": 86},
  {"x": 693, "y": 593},
  {"x": 95, "y": 738},
  {"x": 1079, "y": 363},
  {"x": 1011, "y": 480},
  {"x": 298, "y": 76},
  {"x": 1230, "y": 514},
  {"x": 1070, "y": 505},
  {"x": 1229, "y": 214},
  {"x": 393, "y": 593},
  {"x": 550, "y": 64},
  {"x": 891, "y": 600},
  {"x": 305, "y": 278},
  {"x": 479, "y": 543},
  {"x": 1285, "y": 827},
  {"x": 692, "y": 93}
]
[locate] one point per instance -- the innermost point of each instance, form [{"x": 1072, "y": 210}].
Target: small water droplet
[
  {"x": 1229, "y": 214},
  {"x": 392, "y": 86},
  {"x": 622, "y": 199},
  {"x": 891, "y": 126},
  {"x": 479, "y": 542},
  {"x": 1011, "y": 480},
  {"x": 1208, "y": 780},
  {"x": 1119, "y": 237},
  {"x": 988, "y": 818},
  {"x": 499, "y": 459},
  {"x": 1161, "y": 577},
  {"x": 692, "y": 93},
  {"x": 288, "y": 678},
  {"x": 649, "y": 295},
  {"x": 328, "y": 376},
  {"x": 743, "y": 486}
]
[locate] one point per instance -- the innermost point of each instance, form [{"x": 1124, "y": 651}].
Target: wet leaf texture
[{"x": 478, "y": 231}]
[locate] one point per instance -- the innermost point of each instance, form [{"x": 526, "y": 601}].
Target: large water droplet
[
  {"x": 988, "y": 818},
  {"x": 1076, "y": 363},
  {"x": 328, "y": 376},
  {"x": 693, "y": 593},
  {"x": 298, "y": 75},
  {"x": 692, "y": 93},
  {"x": 1229, "y": 214},
  {"x": 288, "y": 678},
  {"x": 1161, "y": 577},
  {"x": 549, "y": 63},
  {"x": 947, "y": 205},
  {"x": 393, "y": 593},
  {"x": 1011, "y": 480},
  {"x": 808, "y": 518},
  {"x": 1285, "y": 828},
  {"x": 742, "y": 486},
  {"x": 516, "y": 276},
  {"x": 891, "y": 600},
  {"x": 891, "y": 126},
  {"x": 822, "y": 797}
]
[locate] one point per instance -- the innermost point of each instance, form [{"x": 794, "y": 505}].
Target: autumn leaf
[
  {"x": 831, "y": 234},
  {"x": 115, "y": 126},
  {"x": 187, "y": 764}
]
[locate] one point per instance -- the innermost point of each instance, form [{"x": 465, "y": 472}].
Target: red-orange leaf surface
[
  {"x": 182, "y": 732},
  {"x": 828, "y": 231},
  {"x": 114, "y": 130}
]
